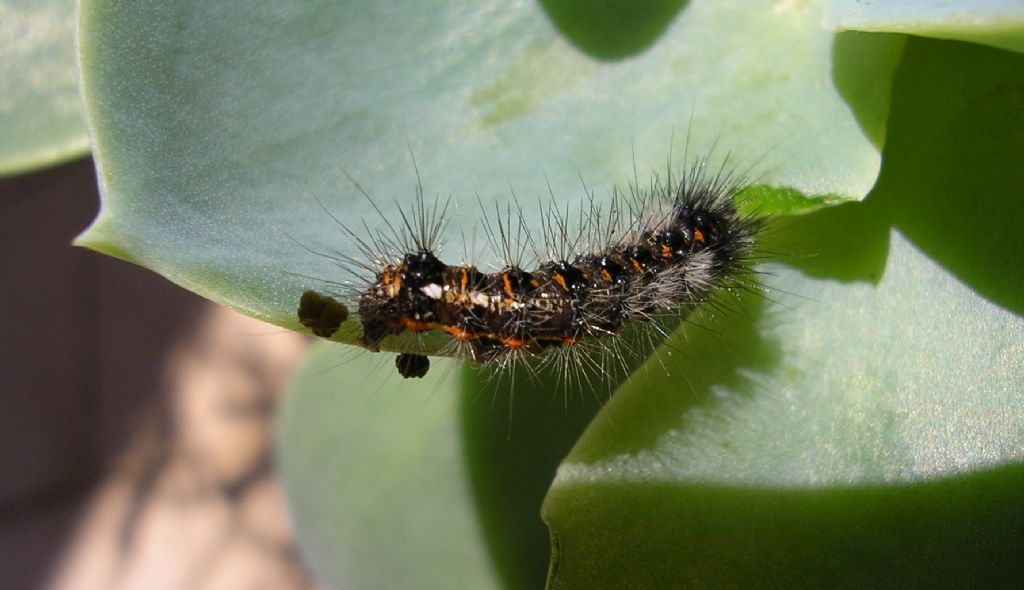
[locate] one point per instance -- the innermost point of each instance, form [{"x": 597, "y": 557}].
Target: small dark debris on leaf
[
  {"x": 412, "y": 365},
  {"x": 321, "y": 314}
]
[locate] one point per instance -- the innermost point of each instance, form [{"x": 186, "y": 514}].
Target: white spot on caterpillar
[{"x": 433, "y": 290}]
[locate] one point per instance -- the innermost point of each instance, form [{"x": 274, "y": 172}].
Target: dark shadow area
[
  {"x": 960, "y": 532},
  {"x": 512, "y": 450},
  {"x": 847, "y": 243},
  {"x": 862, "y": 71},
  {"x": 953, "y": 182},
  {"x": 952, "y": 178},
  {"x": 612, "y": 29}
]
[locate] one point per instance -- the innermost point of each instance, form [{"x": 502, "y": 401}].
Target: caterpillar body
[{"x": 656, "y": 251}]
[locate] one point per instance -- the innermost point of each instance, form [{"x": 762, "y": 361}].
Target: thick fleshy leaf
[
  {"x": 861, "y": 426},
  {"x": 999, "y": 23},
  {"x": 41, "y": 118},
  {"x": 223, "y": 131},
  {"x": 375, "y": 477}
]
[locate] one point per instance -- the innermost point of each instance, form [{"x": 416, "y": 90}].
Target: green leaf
[
  {"x": 999, "y": 23},
  {"x": 41, "y": 119},
  {"x": 219, "y": 129},
  {"x": 862, "y": 425},
  {"x": 375, "y": 478}
]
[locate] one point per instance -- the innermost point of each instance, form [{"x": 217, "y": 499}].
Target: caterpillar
[{"x": 655, "y": 251}]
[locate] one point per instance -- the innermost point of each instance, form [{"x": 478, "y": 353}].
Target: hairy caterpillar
[{"x": 653, "y": 252}]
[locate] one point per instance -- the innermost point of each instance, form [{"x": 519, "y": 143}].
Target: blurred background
[{"x": 137, "y": 417}]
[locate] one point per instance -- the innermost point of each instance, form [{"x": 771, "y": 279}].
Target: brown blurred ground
[{"x": 134, "y": 441}]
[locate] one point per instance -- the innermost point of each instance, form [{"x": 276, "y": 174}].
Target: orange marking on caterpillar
[
  {"x": 392, "y": 280},
  {"x": 419, "y": 326},
  {"x": 513, "y": 343},
  {"x": 561, "y": 281},
  {"x": 459, "y": 334}
]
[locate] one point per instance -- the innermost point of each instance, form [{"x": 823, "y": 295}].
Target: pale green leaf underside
[
  {"x": 41, "y": 118},
  {"x": 219, "y": 130},
  {"x": 999, "y": 23}
]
